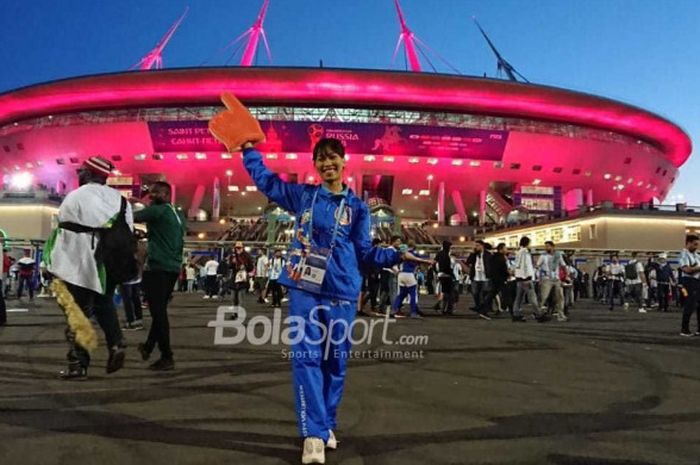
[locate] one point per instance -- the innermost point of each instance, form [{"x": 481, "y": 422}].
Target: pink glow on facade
[
  {"x": 154, "y": 58},
  {"x": 372, "y": 89}
]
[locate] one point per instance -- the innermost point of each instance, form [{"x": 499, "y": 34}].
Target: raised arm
[{"x": 286, "y": 195}]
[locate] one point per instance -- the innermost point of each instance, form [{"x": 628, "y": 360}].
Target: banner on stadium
[{"x": 358, "y": 138}]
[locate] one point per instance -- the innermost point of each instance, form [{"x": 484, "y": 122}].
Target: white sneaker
[
  {"x": 215, "y": 297},
  {"x": 332, "y": 441},
  {"x": 284, "y": 299},
  {"x": 642, "y": 310},
  {"x": 314, "y": 451},
  {"x": 206, "y": 297}
]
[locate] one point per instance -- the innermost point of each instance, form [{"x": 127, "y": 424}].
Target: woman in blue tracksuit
[
  {"x": 331, "y": 244},
  {"x": 333, "y": 234}
]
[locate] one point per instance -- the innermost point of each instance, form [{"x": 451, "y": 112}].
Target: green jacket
[{"x": 166, "y": 231}]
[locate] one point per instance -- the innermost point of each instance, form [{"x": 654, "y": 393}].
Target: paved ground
[{"x": 605, "y": 388}]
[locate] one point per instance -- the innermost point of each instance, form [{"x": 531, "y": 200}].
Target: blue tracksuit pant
[
  {"x": 412, "y": 293},
  {"x": 319, "y": 361}
]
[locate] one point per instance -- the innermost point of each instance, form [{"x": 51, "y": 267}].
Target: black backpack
[
  {"x": 631, "y": 271},
  {"x": 116, "y": 248}
]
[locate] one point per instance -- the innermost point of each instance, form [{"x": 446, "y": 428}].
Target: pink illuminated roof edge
[{"x": 344, "y": 87}]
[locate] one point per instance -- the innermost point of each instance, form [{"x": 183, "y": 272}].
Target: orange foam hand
[{"x": 235, "y": 126}]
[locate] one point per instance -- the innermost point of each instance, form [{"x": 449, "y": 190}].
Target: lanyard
[{"x": 341, "y": 210}]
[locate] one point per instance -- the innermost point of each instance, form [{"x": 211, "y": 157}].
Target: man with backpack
[
  {"x": 635, "y": 280},
  {"x": 166, "y": 231},
  {"x": 86, "y": 252}
]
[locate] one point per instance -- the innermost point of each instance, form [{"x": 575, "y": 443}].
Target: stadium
[{"x": 452, "y": 150}]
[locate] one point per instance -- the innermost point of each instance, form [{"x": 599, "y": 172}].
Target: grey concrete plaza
[{"x": 604, "y": 388}]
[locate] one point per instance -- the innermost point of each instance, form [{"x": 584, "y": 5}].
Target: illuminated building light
[
  {"x": 402, "y": 211},
  {"x": 588, "y": 174},
  {"x": 226, "y": 156},
  {"x": 639, "y": 184},
  {"x": 607, "y": 176},
  {"x": 181, "y": 156},
  {"x": 413, "y": 160},
  {"x": 370, "y": 158},
  {"x": 407, "y": 192},
  {"x": 430, "y": 177},
  {"x": 415, "y": 197},
  {"x": 432, "y": 161},
  {"x": 630, "y": 181},
  {"x": 39, "y": 163},
  {"x": 251, "y": 188},
  {"x": 222, "y": 221},
  {"x": 259, "y": 208},
  {"x": 201, "y": 235},
  {"x": 618, "y": 178},
  {"x": 233, "y": 188},
  {"x": 243, "y": 193},
  {"x": 424, "y": 192},
  {"x": 474, "y": 163},
  {"x": 21, "y": 181},
  {"x": 475, "y": 214},
  {"x": 29, "y": 166},
  {"x": 389, "y": 159},
  {"x": 116, "y": 172},
  {"x": 435, "y": 225},
  {"x": 350, "y": 179},
  {"x": 291, "y": 156},
  {"x": 139, "y": 157},
  {"x": 271, "y": 156},
  {"x": 229, "y": 172},
  {"x": 536, "y": 182},
  {"x": 200, "y": 156},
  {"x": 462, "y": 239},
  {"x": 310, "y": 179},
  {"x": 457, "y": 162}
]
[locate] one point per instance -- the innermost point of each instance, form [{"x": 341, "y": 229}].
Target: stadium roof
[{"x": 343, "y": 88}]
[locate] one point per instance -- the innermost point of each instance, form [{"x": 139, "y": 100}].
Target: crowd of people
[{"x": 333, "y": 264}]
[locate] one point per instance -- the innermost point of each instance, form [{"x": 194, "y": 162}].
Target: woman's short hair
[{"x": 328, "y": 144}]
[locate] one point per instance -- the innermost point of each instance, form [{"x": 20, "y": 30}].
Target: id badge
[{"x": 310, "y": 271}]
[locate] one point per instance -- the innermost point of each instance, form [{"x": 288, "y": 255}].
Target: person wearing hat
[
  {"x": 70, "y": 256},
  {"x": 665, "y": 280},
  {"x": 330, "y": 246}
]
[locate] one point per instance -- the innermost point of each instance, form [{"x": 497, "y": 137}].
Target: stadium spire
[
  {"x": 409, "y": 40},
  {"x": 503, "y": 65},
  {"x": 154, "y": 58},
  {"x": 254, "y": 33},
  {"x": 413, "y": 46}
]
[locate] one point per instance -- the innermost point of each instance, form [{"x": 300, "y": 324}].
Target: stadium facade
[{"x": 432, "y": 146}]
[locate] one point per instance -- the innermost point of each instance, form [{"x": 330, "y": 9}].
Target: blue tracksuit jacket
[{"x": 353, "y": 248}]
